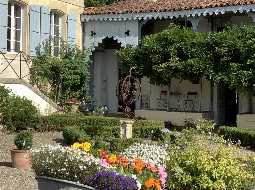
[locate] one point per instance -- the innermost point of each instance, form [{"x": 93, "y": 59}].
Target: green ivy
[{"x": 224, "y": 57}]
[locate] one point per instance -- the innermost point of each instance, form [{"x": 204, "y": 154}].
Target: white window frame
[
  {"x": 13, "y": 28},
  {"x": 53, "y": 14}
]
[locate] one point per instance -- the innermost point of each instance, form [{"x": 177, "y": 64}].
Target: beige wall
[
  {"x": 176, "y": 118},
  {"x": 64, "y": 6},
  {"x": 246, "y": 121}
]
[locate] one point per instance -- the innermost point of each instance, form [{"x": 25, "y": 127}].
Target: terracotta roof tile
[{"x": 143, "y": 6}]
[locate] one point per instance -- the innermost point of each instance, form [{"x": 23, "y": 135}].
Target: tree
[
  {"x": 62, "y": 77},
  {"x": 224, "y": 57}
]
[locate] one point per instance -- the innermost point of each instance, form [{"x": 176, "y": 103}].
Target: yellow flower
[
  {"x": 76, "y": 145},
  {"x": 85, "y": 146}
]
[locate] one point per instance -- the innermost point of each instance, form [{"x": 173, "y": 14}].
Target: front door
[{"x": 105, "y": 79}]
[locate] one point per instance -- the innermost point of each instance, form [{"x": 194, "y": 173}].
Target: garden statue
[{"x": 128, "y": 88}]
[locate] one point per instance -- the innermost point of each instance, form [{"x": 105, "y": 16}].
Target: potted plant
[{"x": 21, "y": 158}]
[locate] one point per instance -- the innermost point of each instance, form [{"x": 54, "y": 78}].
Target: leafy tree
[
  {"x": 225, "y": 57},
  {"x": 61, "y": 77}
]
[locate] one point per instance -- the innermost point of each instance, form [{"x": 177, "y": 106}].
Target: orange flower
[
  {"x": 112, "y": 159},
  {"x": 138, "y": 165},
  {"x": 123, "y": 161},
  {"x": 152, "y": 183}
]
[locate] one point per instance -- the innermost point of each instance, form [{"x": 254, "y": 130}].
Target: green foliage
[
  {"x": 4, "y": 99},
  {"x": 94, "y": 3},
  {"x": 148, "y": 129},
  {"x": 246, "y": 136},
  {"x": 223, "y": 57},
  {"x": 20, "y": 114},
  {"x": 87, "y": 132},
  {"x": 62, "y": 77},
  {"x": 197, "y": 167},
  {"x": 74, "y": 134},
  {"x": 58, "y": 121},
  {"x": 173, "y": 53},
  {"x": 113, "y": 145},
  {"x": 23, "y": 140}
]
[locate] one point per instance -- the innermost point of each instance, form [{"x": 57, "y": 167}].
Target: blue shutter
[
  {"x": 45, "y": 23},
  {"x": 3, "y": 24},
  {"x": 34, "y": 29},
  {"x": 71, "y": 37}
]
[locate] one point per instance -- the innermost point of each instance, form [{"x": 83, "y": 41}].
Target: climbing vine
[{"x": 227, "y": 56}]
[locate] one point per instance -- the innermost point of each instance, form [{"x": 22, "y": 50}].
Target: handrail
[{"x": 23, "y": 59}]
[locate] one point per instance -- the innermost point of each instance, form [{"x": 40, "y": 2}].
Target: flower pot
[
  {"x": 21, "y": 159},
  {"x": 58, "y": 184}
]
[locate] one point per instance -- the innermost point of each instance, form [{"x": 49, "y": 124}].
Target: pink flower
[
  {"x": 162, "y": 175},
  {"x": 104, "y": 163}
]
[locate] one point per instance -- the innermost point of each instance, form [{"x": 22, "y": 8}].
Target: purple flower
[{"x": 108, "y": 180}]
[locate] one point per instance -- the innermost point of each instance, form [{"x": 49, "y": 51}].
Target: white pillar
[{"x": 194, "y": 21}]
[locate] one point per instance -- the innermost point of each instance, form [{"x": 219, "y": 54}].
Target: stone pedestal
[{"x": 126, "y": 129}]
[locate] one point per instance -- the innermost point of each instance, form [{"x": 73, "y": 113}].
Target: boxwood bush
[
  {"x": 83, "y": 133},
  {"x": 148, "y": 129},
  {"x": 246, "y": 136},
  {"x": 20, "y": 114},
  {"x": 57, "y": 122}
]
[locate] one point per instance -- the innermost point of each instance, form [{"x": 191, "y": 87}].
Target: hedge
[
  {"x": 148, "y": 129},
  {"x": 246, "y": 136},
  {"x": 58, "y": 121}
]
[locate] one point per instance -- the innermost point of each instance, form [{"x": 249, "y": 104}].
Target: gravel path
[{"x": 14, "y": 179}]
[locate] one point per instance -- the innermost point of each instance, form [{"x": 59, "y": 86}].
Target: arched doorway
[{"x": 105, "y": 74}]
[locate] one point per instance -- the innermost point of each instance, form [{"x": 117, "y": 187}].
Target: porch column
[
  {"x": 194, "y": 21},
  {"x": 252, "y": 16}
]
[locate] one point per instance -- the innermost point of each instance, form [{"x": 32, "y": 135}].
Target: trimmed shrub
[
  {"x": 74, "y": 134},
  {"x": 246, "y": 136},
  {"x": 113, "y": 145},
  {"x": 20, "y": 114},
  {"x": 85, "y": 133},
  {"x": 58, "y": 121},
  {"x": 23, "y": 140},
  {"x": 148, "y": 129}
]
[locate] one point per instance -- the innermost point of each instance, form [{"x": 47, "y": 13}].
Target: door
[{"x": 106, "y": 79}]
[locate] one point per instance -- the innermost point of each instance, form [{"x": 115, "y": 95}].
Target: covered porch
[{"x": 180, "y": 100}]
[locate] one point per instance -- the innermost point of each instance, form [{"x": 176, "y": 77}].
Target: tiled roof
[{"x": 144, "y": 6}]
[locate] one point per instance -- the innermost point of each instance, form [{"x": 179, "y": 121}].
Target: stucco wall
[
  {"x": 180, "y": 91},
  {"x": 176, "y": 118},
  {"x": 246, "y": 121},
  {"x": 65, "y": 7}
]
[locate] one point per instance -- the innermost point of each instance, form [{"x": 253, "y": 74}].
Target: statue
[{"x": 128, "y": 88}]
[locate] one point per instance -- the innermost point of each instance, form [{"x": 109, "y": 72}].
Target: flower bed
[{"x": 76, "y": 164}]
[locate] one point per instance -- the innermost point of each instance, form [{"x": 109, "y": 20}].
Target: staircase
[
  {"x": 15, "y": 74},
  {"x": 21, "y": 88}
]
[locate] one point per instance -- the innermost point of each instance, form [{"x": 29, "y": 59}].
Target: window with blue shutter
[
  {"x": 35, "y": 37},
  {"x": 45, "y": 23},
  {"x": 71, "y": 28},
  {"x": 3, "y": 24}
]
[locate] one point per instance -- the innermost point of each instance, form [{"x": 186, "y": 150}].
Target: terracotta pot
[{"x": 21, "y": 159}]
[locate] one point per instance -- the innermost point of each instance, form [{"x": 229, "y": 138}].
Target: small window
[
  {"x": 55, "y": 32},
  {"x": 14, "y": 29}
]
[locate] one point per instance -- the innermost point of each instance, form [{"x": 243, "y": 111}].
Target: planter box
[{"x": 58, "y": 184}]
